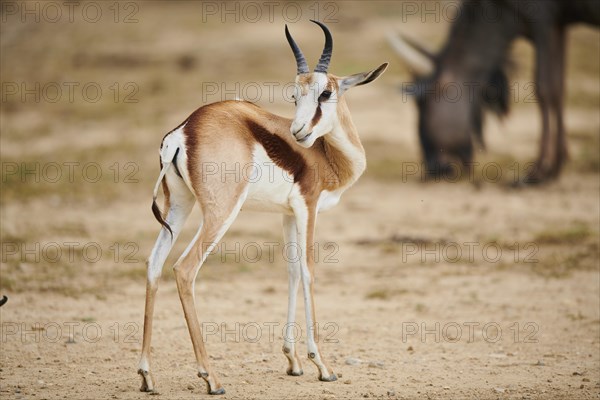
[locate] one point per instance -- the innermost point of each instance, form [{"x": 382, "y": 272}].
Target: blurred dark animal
[
  {"x": 473, "y": 63},
  {"x": 3, "y": 300}
]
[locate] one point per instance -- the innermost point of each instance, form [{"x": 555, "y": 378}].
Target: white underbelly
[
  {"x": 269, "y": 186},
  {"x": 328, "y": 199}
]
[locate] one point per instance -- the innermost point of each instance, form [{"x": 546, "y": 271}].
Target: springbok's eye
[{"x": 324, "y": 96}]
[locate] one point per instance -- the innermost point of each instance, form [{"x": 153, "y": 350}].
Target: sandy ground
[{"x": 424, "y": 290}]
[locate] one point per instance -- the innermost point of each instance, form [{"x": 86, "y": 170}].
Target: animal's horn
[
  {"x": 325, "y": 59},
  {"x": 416, "y": 57},
  {"x": 300, "y": 60}
]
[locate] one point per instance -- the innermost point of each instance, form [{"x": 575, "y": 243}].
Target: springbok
[{"x": 316, "y": 157}]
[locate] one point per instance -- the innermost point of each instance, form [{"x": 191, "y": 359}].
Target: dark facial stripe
[
  {"x": 317, "y": 116},
  {"x": 281, "y": 153}
]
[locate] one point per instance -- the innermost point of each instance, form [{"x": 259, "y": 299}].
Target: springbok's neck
[{"x": 343, "y": 148}]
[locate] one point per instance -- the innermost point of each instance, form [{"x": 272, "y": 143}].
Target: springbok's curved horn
[
  {"x": 325, "y": 59},
  {"x": 300, "y": 60},
  {"x": 415, "y": 56}
]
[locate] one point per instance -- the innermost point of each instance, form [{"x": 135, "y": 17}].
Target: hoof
[
  {"x": 291, "y": 372},
  {"x": 218, "y": 391},
  {"x": 530, "y": 181},
  {"x": 537, "y": 176},
  {"x": 205, "y": 377},
  {"x": 147, "y": 384},
  {"x": 330, "y": 378}
]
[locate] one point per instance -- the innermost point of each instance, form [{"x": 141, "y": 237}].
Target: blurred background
[{"x": 88, "y": 91}]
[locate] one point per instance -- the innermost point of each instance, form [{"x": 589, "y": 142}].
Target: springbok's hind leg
[
  {"x": 181, "y": 202},
  {"x": 216, "y": 223}
]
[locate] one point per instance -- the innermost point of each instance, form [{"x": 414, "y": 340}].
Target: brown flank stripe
[{"x": 282, "y": 154}]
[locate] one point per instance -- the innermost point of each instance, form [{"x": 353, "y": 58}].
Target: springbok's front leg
[
  {"x": 305, "y": 221},
  {"x": 290, "y": 236}
]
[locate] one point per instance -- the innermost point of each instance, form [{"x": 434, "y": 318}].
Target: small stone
[
  {"x": 585, "y": 380},
  {"x": 582, "y": 386},
  {"x": 539, "y": 363},
  {"x": 376, "y": 364},
  {"x": 499, "y": 390},
  {"x": 347, "y": 381},
  {"x": 339, "y": 375},
  {"x": 353, "y": 361},
  {"x": 391, "y": 393},
  {"x": 410, "y": 348},
  {"x": 190, "y": 387},
  {"x": 576, "y": 373},
  {"x": 446, "y": 387}
]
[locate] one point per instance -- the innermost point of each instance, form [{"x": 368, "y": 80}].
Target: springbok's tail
[
  {"x": 167, "y": 157},
  {"x": 3, "y": 300}
]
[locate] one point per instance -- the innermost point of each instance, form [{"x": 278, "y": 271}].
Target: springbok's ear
[{"x": 362, "y": 78}]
